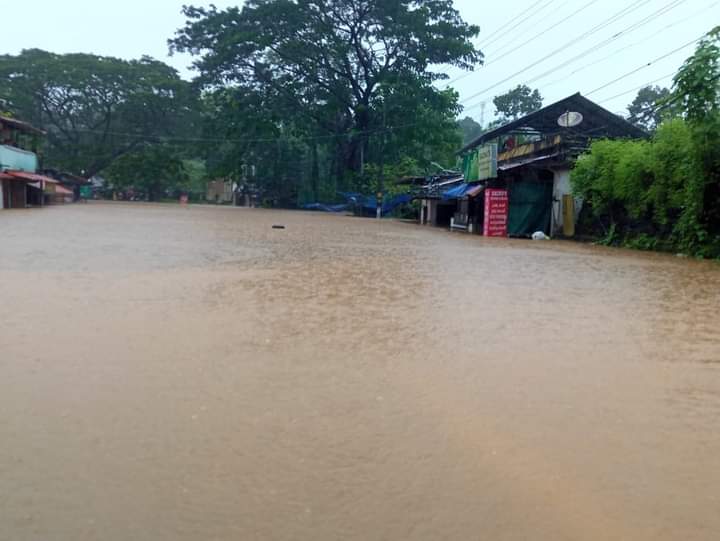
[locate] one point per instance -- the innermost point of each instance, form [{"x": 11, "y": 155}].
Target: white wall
[
  {"x": 561, "y": 186},
  {"x": 430, "y": 206}
]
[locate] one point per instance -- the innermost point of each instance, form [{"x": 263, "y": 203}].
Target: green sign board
[{"x": 487, "y": 161}]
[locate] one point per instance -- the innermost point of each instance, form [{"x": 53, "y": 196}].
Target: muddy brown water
[{"x": 179, "y": 374}]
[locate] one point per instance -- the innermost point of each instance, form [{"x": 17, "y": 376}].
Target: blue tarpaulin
[
  {"x": 326, "y": 208},
  {"x": 457, "y": 192},
  {"x": 460, "y": 191},
  {"x": 366, "y": 202},
  {"x": 390, "y": 205}
]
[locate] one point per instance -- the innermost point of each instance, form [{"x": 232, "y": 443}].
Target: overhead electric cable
[
  {"x": 625, "y": 11},
  {"x": 648, "y": 64},
  {"x": 634, "y": 44},
  {"x": 625, "y": 31}
]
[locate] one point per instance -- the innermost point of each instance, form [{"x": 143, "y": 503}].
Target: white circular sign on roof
[{"x": 570, "y": 119}]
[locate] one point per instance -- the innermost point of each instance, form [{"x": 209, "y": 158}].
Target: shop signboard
[
  {"x": 487, "y": 161},
  {"x": 496, "y": 213}
]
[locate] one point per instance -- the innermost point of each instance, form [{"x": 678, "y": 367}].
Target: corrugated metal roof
[
  {"x": 475, "y": 190},
  {"x": 463, "y": 190},
  {"x": 598, "y": 122},
  {"x": 20, "y": 125},
  {"x": 63, "y": 190},
  {"x": 31, "y": 177},
  {"x": 520, "y": 163}
]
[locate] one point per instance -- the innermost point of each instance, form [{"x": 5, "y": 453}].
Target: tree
[
  {"x": 95, "y": 109},
  {"x": 669, "y": 186},
  {"x": 150, "y": 169},
  {"x": 470, "y": 129},
  {"x": 645, "y": 111},
  {"x": 331, "y": 66},
  {"x": 697, "y": 91},
  {"x": 697, "y": 83},
  {"x": 518, "y": 102}
]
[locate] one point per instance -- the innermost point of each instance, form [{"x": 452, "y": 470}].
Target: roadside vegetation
[
  {"x": 298, "y": 101},
  {"x": 662, "y": 193}
]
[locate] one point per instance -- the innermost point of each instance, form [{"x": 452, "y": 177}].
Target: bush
[{"x": 646, "y": 189}]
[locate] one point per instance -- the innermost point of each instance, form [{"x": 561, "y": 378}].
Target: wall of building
[
  {"x": 428, "y": 212},
  {"x": 561, "y": 187},
  {"x": 18, "y": 194},
  {"x": 219, "y": 191},
  {"x": 17, "y": 159}
]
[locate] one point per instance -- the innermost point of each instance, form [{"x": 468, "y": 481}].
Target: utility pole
[{"x": 381, "y": 180}]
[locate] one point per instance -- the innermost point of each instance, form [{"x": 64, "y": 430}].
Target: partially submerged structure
[
  {"x": 69, "y": 188},
  {"x": 219, "y": 191},
  {"x": 531, "y": 159},
  {"x": 20, "y": 184}
]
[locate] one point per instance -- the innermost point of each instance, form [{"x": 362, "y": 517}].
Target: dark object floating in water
[{"x": 278, "y": 226}]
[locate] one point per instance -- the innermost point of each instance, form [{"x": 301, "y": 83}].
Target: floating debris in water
[{"x": 276, "y": 226}]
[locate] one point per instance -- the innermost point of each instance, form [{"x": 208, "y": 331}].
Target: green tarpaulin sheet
[
  {"x": 530, "y": 208},
  {"x": 470, "y": 167}
]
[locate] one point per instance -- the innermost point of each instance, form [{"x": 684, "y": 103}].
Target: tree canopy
[
  {"x": 470, "y": 129},
  {"x": 516, "y": 103},
  {"x": 95, "y": 109},
  {"x": 645, "y": 110},
  {"x": 150, "y": 169},
  {"x": 315, "y": 96},
  {"x": 351, "y": 78},
  {"x": 668, "y": 188}
]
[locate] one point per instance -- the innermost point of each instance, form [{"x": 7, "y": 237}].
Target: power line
[
  {"x": 486, "y": 43},
  {"x": 625, "y": 11},
  {"x": 607, "y": 41},
  {"x": 539, "y": 34},
  {"x": 631, "y": 28},
  {"x": 628, "y": 74},
  {"x": 638, "y": 87},
  {"x": 630, "y": 46},
  {"x": 467, "y": 74},
  {"x": 522, "y": 20},
  {"x": 667, "y": 102},
  {"x": 535, "y": 24},
  {"x": 163, "y": 138},
  {"x": 500, "y": 29}
]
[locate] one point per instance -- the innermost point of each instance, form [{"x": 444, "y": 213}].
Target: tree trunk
[{"x": 315, "y": 173}]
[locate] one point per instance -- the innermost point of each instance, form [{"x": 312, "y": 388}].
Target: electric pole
[{"x": 381, "y": 180}]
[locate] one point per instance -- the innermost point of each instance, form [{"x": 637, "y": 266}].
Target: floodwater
[{"x": 188, "y": 374}]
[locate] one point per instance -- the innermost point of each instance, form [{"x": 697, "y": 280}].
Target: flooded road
[{"x": 188, "y": 374}]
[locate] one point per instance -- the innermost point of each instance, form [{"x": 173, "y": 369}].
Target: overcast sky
[{"x": 558, "y": 46}]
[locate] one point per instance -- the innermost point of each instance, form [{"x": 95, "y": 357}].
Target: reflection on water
[{"x": 173, "y": 373}]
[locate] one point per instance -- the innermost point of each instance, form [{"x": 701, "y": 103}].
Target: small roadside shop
[{"x": 524, "y": 167}]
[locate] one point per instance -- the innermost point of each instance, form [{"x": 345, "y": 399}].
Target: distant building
[
  {"x": 534, "y": 157},
  {"x": 68, "y": 189},
  {"x": 219, "y": 191},
  {"x": 20, "y": 184}
]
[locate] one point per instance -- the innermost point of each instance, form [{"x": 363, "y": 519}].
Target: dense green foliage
[
  {"x": 646, "y": 109},
  {"x": 95, "y": 109},
  {"x": 668, "y": 188},
  {"x": 300, "y": 99},
  {"x": 470, "y": 129},
  {"x": 324, "y": 96},
  {"x": 151, "y": 171},
  {"x": 516, "y": 103}
]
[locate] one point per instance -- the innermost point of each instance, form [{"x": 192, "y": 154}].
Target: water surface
[{"x": 179, "y": 374}]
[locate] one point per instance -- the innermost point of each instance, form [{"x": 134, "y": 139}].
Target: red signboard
[{"x": 496, "y": 213}]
